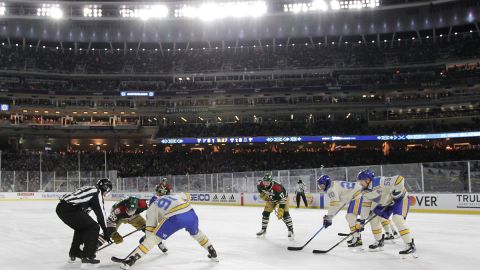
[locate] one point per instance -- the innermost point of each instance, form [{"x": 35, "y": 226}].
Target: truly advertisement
[{"x": 471, "y": 201}]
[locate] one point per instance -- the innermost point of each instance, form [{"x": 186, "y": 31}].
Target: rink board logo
[
  {"x": 468, "y": 201},
  {"x": 52, "y": 195},
  {"x": 118, "y": 195},
  {"x": 425, "y": 201},
  {"x": 25, "y": 195},
  {"x": 198, "y": 197},
  {"x": 224, "y": 198}
]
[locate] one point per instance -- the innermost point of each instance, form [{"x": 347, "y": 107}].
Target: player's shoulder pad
[
  {"x": 142, "y": 204},
  {"x": 153, "y": 199},
  {"x": 277, "y": 187},
  {"x": 375, "y": 182},
  {"x": 184, "y": 196},
  {"x": 120, "y": 209}
]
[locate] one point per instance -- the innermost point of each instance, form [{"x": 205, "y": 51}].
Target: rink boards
[{"x": 458, "y": 203}]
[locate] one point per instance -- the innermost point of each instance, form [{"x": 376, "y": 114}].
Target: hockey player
[
  {"x": 390, "y": 230},
  {"x": 73, "y": 210},
  {"x": 128, "y": 211},
  {"x": 386, "y": 196},
  {"x": 273, "y": 193},
  {"x": 166, "y": 215},
  {"x": 340, "y": 193}
]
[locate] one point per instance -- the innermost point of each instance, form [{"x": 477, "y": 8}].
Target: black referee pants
[
  {"x": 301, "y": 194},
  {"x": 86, "y": 230}
]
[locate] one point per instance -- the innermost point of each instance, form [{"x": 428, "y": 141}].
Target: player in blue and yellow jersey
[
  {"x": 385, "y": 196},
  {"x": 340, "y": 194},
  {"x": 166, "y": 215}
]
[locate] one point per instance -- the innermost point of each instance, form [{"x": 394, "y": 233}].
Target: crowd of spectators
[
  {"x": 217, "y": 160},
  {"x": 293, "y": 56}
]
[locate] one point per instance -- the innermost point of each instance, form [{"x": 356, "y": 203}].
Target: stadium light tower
[
  {"x": 2, "y": 9},
  {"x": 92, "y": 11},
  {"x": 211, "y": 11},
  {"x": 50, "y": 10},
  {"x": 335, "y": 5},
  {"x": 145, "y": 12}
]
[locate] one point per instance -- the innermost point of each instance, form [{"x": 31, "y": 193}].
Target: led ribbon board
[
  {"x": 280, "y": 139},
  {"x": 137, "y": 94}
]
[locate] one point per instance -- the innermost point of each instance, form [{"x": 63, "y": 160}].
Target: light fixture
[
  {"x": 2, "y": 9},
  {"x": 50, "y": 10},
  {"x": 145, "y": 12},
  {"x": 214, "y": 11},
  {"x": 94, "y": 11}
]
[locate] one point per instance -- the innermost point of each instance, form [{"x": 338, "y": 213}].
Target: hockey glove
[
  {"x": 360, "y": 225},
  {"x": 107, "y": 234},
  {"x": 117, "y": 238},
  {"x": 397, "y": 195},
  {"x": 327, "y": 221},
  {"x": 264, "y": 197},
  {"x": 280, "y": 213}
]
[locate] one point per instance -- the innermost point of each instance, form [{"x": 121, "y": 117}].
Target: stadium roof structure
[{"x": 190, "y": 21}]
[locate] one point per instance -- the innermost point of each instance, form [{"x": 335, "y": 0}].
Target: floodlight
[
  {"x": 212, "y": 11},
  {"x": 92, "y": 11},
  {"x": 144, "y": 12},
  {"x": 2, "y": 9},
  {"x": 50, "y": 10},
  {"x": 334, "y": 5}
]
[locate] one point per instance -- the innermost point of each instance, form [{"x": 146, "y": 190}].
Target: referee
[
  {"x": 73, "y": 210},
  {"x": 300, "y": 191}
]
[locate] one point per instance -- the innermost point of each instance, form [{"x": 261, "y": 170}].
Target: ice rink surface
[{"x": 33, "y": 237}]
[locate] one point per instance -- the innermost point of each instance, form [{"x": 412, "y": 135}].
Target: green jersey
[{"x": 275, "y": 192}]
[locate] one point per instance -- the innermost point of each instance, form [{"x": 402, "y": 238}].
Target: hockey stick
[
  {"x": 120, "y": 260},
  {"x": 311, "y": 238},
  {"x": 300, "y": 248},
  {"x": 346, "y": 237},
  {"x": 343, "y": 234},
  {"x": 128, "y": 234}
]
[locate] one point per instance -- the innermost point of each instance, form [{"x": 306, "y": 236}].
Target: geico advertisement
[{"x": 220, "y": 198}]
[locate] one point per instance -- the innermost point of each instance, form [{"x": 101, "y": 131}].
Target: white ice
[{"x": 33, "y": 237}]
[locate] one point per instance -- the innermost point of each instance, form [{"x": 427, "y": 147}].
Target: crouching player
[
  {"x": 387, "y": 196},
  {"x": 340, "y": 193},
  {"x": 128, "y": 211},
  {"x": 273, "y": 193},
  {"x": 166, "y": 215}
]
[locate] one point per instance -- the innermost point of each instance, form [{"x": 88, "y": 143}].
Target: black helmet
[{"x": 104, "y": 185}]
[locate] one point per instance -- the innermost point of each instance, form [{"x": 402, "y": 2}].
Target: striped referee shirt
[
  {"x": 300, "y": 188},
  {"x": 88, "y": 197}
]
